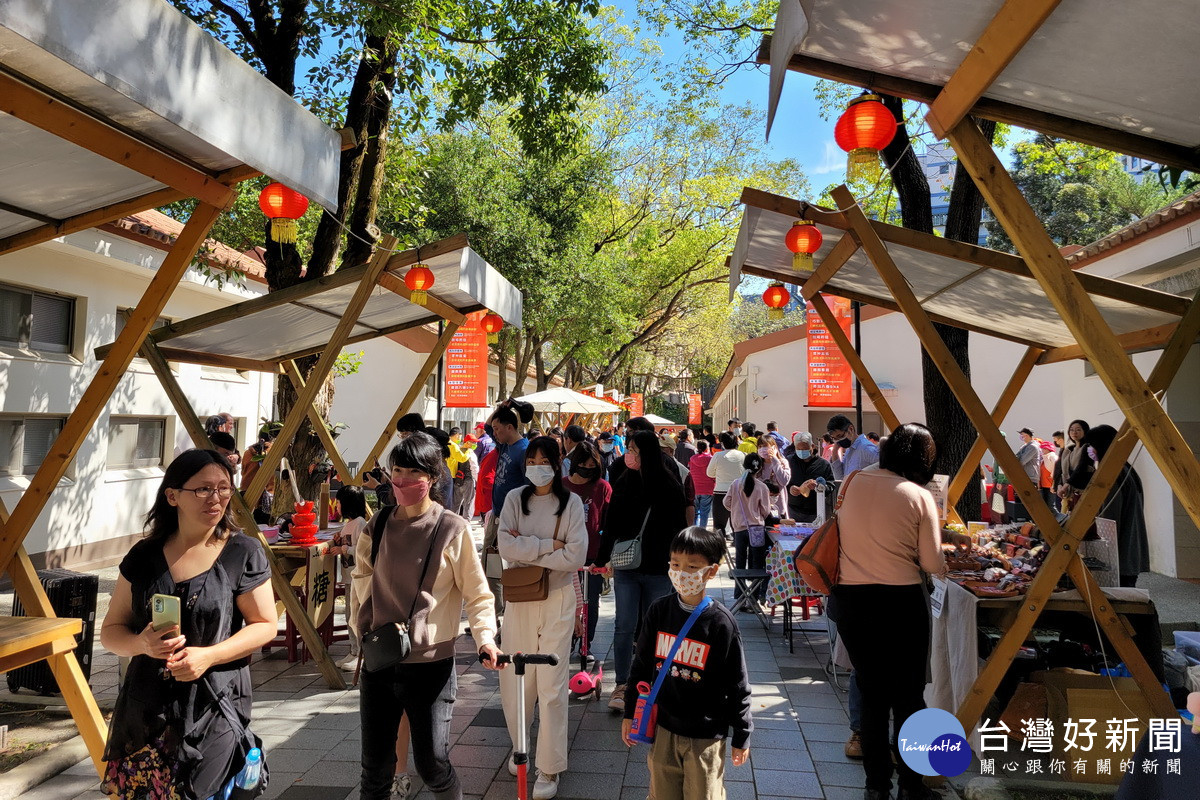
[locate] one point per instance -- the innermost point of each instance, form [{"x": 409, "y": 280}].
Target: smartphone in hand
[{"x": 164, "y": 611}]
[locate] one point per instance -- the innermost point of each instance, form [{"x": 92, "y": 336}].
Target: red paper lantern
[
  {"x": 283, "y": 207},
  {"x": 419, "y": 279},
  {"x": 491, "y": 324},
  {"x": 865, "y": 128},
  {"x": 776, "y": 297},
  {"x": 803, "y": 240}
]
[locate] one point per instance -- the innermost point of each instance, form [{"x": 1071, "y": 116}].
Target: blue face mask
[{"x": 804, "y": 454}]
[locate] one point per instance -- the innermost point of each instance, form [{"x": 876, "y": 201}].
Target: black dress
[{"x": 173, "y": 739}]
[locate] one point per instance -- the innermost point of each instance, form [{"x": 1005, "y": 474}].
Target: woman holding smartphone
[{"x": 171, "y": 735}]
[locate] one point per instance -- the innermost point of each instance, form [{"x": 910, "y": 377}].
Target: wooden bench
[{"x": 24, "y": 640}]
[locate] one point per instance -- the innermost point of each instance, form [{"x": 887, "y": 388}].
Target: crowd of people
[{"x": 654, "y": 512}]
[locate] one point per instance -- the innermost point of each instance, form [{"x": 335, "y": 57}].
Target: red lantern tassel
[
  {"x": 774, "y": 313},
  {"x": 802, "y": 262},
  {"x": 862, "y": 165},
  {"x": 419, "y": 296},
  {"x": 284, "y": 231},
  {"x": 493, "y": 338}
]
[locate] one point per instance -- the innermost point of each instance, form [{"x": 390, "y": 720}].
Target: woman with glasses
[{"x": 180, "y": 727}]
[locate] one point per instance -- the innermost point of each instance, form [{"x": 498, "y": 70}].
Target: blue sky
[{"x": 799, "y": 131}]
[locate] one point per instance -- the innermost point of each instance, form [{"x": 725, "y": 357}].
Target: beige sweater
[
  {"x": 889, "y": 531},
  {"x": 459, "y": 579}
]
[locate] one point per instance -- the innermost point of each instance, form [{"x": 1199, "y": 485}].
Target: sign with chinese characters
[
  {"x": 1093, "y": 749},
  {"x": 636, "y": 403},
  {"x": 466, "y": 365},
  {"x": 320, "y": 575},
  {"x": 695, "y": 409},
  {"x": 829, "y": 375}
]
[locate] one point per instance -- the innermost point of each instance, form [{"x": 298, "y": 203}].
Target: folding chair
[{"x": 748, "y": 581}]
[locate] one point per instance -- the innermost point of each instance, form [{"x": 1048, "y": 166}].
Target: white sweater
[
  {"x": 726, "y": 467},
  {"x": 533, "y": 543}
]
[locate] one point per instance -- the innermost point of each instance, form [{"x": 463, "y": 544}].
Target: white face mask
[
  {"x": 687, "y": 584},
  {"x": 606, "y": 447},
  {"x": 540, "y": 474}
]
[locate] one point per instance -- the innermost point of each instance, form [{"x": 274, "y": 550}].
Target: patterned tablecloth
[{"x": 784, "y": 583}]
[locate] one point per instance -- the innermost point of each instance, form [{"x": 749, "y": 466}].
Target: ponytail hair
[{"x": 752, "y": 463}]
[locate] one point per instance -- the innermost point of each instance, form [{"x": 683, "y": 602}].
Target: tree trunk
[
  {"x": 381, "y": 62},
  {"x": 943, "y": 413},
  {"x": 962, "y": 224},
  {"x": 539, "y": 366},
  {"x": 502, "y": 364}
]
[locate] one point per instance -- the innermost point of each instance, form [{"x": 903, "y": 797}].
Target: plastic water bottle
[
  {"x": 645, "y": 716},
  {"x": 251, "y": 774}
]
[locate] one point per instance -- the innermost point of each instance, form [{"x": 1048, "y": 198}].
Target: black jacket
[
  {"x": 627, "y": 511},
  {"x": 804, "y": 509},
  {"x": 708, "y": 689}
]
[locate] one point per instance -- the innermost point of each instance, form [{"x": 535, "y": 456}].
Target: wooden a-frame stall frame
[
  {"x": 109, "y": 139},
  {"x": 872, "y": 239},
  {"x": 221, "y": 338},
  {"x": 1025, "y": 65}
]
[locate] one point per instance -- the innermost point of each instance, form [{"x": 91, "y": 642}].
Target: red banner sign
[
  {"x": 695, "y": 409},
  {"x": 466, "y": 365},
  {"x": 829, "y": 374},
  {"x": 637, "y": 406}
]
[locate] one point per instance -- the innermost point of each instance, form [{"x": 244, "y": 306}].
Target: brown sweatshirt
[{"x": 455, "y": 576}]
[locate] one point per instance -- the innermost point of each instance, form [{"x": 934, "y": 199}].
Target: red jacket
[
  {"x": 698, "y": 466},
  {"x": 485, "y": 481}
]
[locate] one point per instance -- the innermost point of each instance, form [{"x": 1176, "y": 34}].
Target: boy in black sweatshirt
[{"x": 707, "y": 690}]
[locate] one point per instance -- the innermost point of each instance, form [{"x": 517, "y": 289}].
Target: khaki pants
[
  {"x": 682, "y": 768},
  {"x": 491, "y": 530},
  {"x": 541, "y": 626}
]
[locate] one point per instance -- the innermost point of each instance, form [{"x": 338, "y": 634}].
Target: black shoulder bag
[{"x": 389, "y": 644}]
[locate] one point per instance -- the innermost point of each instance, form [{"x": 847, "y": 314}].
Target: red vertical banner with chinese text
[
  {"x": 695, "y": 409},
  {"x": 466, "y": 365},
  {"x": 829, "y": 375},
  {"x": 637, "y": 406}
]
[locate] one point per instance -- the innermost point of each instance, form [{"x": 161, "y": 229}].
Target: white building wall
[{"x": 95, "y": 513}]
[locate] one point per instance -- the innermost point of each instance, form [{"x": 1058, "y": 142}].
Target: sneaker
[
  {"x": 617, "y": 701},
  {"x": 512, "y": 766},
  {"x": 546, "y": 786},
  {"x": 854, "y": 745},
  {"x": 349, "y": 662},
  {"x": 401, "y": 786}
]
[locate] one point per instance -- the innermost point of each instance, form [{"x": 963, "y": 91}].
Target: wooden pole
[
  {"x": 856, "y": 363},
  {"x": 410, "y": 397},
  {"x": 307, "y": 393},
  {"x": 65, "y": 666},
  {"x": 110, "y": 372},
  {"x": 838, "y": 256},
  {"x": 283, "y": 588},
  {"x": 1145, "y": 413},
  {"x": 1065, "y": 543},
  {"x": 1007, "y": 397}
]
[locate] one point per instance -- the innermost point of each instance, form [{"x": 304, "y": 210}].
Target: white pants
[{"x": 543, "y": 626}]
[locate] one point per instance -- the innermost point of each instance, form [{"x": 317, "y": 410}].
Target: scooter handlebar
[{"x": 549, "y": 659}]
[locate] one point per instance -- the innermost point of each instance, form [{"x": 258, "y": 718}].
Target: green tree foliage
[{"x": 1080, "y": 192}]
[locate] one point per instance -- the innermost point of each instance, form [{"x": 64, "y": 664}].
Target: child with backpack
[{"x": 705, "y": 692}]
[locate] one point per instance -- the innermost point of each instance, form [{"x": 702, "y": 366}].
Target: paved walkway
[{"x": 312, "y": 734}]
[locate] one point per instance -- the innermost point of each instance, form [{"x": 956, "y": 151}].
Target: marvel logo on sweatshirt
[{"x": 691, "y": 653}]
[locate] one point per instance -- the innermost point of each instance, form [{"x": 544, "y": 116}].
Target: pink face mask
[
  {"x": 633, "y": 460},
  {"x": 409, "y": 493}
]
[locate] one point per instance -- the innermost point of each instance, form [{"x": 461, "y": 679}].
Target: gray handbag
[{"x": 628, "y": 554}]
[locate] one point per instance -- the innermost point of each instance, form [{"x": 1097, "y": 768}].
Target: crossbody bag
[
  {"x": 628, "y": 554},
  {"x": 527, "y": 584},
  {"x": 389, "y": 644}
]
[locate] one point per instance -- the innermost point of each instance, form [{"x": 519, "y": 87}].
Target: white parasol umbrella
[
  {"x": 565, "y": 400},
  {"x": 662, "y": 422}
]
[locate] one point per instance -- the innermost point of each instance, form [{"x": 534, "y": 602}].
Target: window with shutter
[
  {"x": 40, "y": 433},
  {"x": 52, "y": 318},
  {"x": 10, "y": 445}
]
